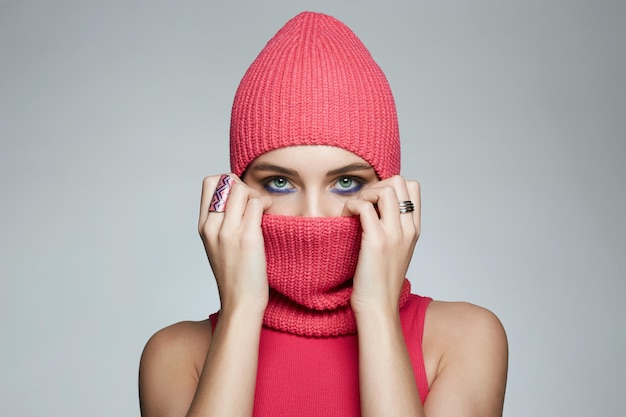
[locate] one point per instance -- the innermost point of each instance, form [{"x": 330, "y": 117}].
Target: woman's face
[{"x": 309, "y": 181}]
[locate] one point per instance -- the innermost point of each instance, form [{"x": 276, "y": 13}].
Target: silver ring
[{"x": 406, "y": 206}]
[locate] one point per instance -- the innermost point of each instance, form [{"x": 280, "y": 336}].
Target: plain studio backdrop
[{"x": 512, "y": 117}]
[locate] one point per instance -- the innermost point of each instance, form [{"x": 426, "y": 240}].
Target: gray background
[{"x": 513, "y": 118}]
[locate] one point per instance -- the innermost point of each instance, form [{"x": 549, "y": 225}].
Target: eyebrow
[
  {"x": 263, "y": 166},
  {"x": 357, "y": 166}
]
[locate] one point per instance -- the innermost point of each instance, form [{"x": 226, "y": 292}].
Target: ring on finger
[
  {"x": 406, "y": 206},
  {"x": 218, "y": 202}
]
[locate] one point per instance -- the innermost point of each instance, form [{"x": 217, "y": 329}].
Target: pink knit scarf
[{"x": 310, "y": 266}]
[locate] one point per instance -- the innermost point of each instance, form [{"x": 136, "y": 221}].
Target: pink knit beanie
[{"x": 315, "y": 83}]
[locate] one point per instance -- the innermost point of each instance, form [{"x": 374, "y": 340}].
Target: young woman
[{"x": 310, "y": 238}]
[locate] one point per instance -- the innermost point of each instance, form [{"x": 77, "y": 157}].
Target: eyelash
[
  {"x": 355, "y": 188},
  {"x": 359, "y": 182},
  {"x": 269, "y": 188}
]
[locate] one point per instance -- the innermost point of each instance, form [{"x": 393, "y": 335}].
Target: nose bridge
[{"x": 317, "y": 203}]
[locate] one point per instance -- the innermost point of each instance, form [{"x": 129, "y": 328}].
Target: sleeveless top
[{"x": 319, "y": 376}]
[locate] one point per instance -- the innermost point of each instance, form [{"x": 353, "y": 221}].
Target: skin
[{"x": 188, "y": 370}]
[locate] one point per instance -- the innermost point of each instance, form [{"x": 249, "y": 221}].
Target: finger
[
  {"x": 255, "y": 207},
  {"x": 215, "y": 193},
  {"x": 386, "y": 200},
  {"x": 408, "y": 204},
  {"x": 414, "y": 190},
  {"x": 368, "y": 216},
  {"x": 220, "y": 196},
  {"x": 402, "y": 204},
  {"x": 237, "y": 201},
  {"x": 208, "y": 188}
]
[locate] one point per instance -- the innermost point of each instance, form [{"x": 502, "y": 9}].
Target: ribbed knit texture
[
  {"x": 310, "y": 265},
  {"x": 315, "y": 83},
  {"x": 311, "y": 376}
]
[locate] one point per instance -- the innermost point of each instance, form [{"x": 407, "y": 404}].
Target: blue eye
[
  {"x": 347, "y": 185},
  {"x": 279, "y": 185}
]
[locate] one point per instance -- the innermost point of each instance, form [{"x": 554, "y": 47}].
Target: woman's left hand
[{"x": 387, "y": 243}]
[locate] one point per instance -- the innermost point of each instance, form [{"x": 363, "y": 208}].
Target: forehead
[{"x": 314, "y": 157}]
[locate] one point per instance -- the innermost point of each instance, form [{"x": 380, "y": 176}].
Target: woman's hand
[
  {"x": 234, "y": 244},
  {"x": 386, "y": 379},
  {"x": 387, "y": 243}
]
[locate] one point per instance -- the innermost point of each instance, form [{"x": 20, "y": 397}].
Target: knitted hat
[{"x": 315, "y": 83}]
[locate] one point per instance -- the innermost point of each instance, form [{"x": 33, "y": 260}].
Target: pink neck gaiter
[{"x": 310, "y": 266}]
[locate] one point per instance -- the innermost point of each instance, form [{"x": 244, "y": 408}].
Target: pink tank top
[{"x": 313, "y": 376}]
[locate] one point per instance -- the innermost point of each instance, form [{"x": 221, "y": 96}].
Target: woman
[{"x": 309, "y": 239}]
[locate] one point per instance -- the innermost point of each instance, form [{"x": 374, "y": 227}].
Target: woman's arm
[
  {"x": 186, "y": 370},
  {"x": 468, "y": 347},
  {"x": 170, "y": 368},
  {"x": 227, "y": 382},
  {"x": 471, "y": 351},
  {"x": 464, "y": 345},
  {"x": 387, "y": 382},
  {"x": 223, "y": 385}
]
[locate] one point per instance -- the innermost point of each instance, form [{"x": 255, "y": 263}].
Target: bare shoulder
[
  {"x": 184, "y": 339},
  {"x": 183, "y": 335},
  {"x": 467, "y": 352},
  {"x": 171, "y": 365},
  {"x": 454, "y": 321}
]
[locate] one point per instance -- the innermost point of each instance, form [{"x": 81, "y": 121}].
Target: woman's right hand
[{"x": 233, "y": 242}]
